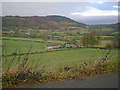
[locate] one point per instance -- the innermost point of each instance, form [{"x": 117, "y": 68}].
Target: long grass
[{"x": 17, "y": 71}]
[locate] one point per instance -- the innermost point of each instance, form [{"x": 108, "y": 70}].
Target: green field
[
  {"x": 19, "y": 46},
  {"x": 23, "y": 45},
  {"x": 33, "y": 39},
  {"x": 52, "y": 62},
  {"x": 57, "y": 59}
]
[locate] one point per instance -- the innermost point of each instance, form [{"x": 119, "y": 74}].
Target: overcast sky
[{"x": 86, "y": 12}]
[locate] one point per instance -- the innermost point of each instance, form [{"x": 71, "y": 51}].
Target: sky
[{"x": 91, "y": 13}]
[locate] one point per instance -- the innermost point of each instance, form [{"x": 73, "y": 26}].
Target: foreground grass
[
  {"x": 29, "y": 77},
  {"x": 56, "y": 66},
  {"x": 54, "y": 60}
]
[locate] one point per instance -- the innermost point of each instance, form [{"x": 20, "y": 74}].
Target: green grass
[
  {"x": 58, "y": 32},
  {"x": 107, "y": 29},
  {"x": 55, "y": 60},
  {"x": 107, "y": 36},
  {"x": 21, "y": 38},
  {"x": 42, "y": 30},
  {"x": 12, "y": 46},
  {"x": 103, "y": 43},
  {"x": 34, "y": 39},
  {"x": 53, "y": 63}
]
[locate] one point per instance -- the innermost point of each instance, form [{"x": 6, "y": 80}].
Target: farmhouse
[
  {"x": 53, "y": 46},
  {"x": 71, "y": 45}
]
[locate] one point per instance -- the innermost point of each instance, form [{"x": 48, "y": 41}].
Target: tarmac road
[{"x": 102, "y": 81}]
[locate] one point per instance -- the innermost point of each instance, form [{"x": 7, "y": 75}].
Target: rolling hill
[{"x": 40, "y": 22}]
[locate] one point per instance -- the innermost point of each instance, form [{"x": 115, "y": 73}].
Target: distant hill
[
  {"x": 59, "y": 18},
  {"x": 105, "y": 29},
  {"x": 40, "y": 22},
  {"x": 114, "y": 26}
]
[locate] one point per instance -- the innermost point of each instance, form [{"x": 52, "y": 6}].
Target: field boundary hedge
[{"x": 20, "y": 54}]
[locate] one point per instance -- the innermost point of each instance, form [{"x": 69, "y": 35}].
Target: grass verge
[
  {"x": 24, "y": 77},
  {"x": 25, "y": 73}
]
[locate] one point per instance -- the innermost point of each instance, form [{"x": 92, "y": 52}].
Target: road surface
[{"x": 102, "y": 81}]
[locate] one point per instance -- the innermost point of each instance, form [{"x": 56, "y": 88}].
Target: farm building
[
  {"x": 72, "y": 45},
  {"x": 53, "y": 46}
]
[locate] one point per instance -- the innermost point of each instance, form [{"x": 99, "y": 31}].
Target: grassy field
[
  {"x": 11, "y": 46},
  {"x": 14, "y": 44},
  {"x": 33, "y": 39},
  {"x": 55, "y": 60},
  {"x": 103, "y": 43},
  {"x": 49, "y": 63},
  {"x": 52, "y": 60}
]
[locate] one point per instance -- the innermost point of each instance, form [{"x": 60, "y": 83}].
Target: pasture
[
  {"x": 53, "y": 60},
  {"x": 49, "y": 62},
  {"x": 11, "y": 46},
  {"x": 32, "y": 39},
  {"x": 22, "y": 45}
]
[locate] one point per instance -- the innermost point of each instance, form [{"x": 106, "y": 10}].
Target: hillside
[
  {"x": 113, "y": 26},
  {"x": 56, "y": 26},
  {"x": 40, "y": 22}
]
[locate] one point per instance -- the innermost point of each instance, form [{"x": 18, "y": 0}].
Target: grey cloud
[
  {"x": 56, "y": 8},
  {"x": 98, "y": 20}
]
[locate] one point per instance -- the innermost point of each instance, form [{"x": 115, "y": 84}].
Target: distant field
[
  {"x": 33, "y": 39},
  {"x": 103, "y": 43},
  {"x": 11, "y": 46},
  {"x": 23, "y": 44}
]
